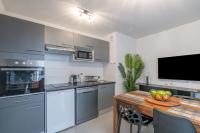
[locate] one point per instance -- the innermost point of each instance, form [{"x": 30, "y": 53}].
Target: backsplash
[{"x": 58, "y": 68}]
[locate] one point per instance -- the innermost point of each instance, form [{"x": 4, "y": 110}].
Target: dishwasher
[{"x": 86, "y": 104}]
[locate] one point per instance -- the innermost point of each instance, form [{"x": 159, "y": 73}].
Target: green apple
[
  {"x": 153, "y": 93},
  {"x": 161, "y": 92},
  {"x": 168, "y": 93}
]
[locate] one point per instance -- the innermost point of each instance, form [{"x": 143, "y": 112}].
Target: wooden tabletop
[{"x": 188, "y": 109}]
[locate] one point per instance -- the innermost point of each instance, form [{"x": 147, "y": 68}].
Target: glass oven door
[{"x": 21, "y": 80}]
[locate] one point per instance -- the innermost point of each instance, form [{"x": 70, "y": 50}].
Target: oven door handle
[{"x": 21, "y": 69}]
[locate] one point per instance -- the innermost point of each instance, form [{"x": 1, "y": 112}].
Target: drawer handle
[
  {"x": 98, "y": 59},
  {"x": 89, "y": 46},
  {"x": 23, "y": 101},
  {"x": 33, "y": 107},
  {"x": 34, "y": 51},
  {"x": 88, "y": 92}
]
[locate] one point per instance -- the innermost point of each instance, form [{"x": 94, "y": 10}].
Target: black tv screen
[{"x": 185, "y": 67}]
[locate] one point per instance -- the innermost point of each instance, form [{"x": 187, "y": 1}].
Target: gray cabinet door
[
  {"x": 105, "y": 94},
  {"x": 101, "y": 51},
  {"x": 21, "y": 36},
  {"x": 22, "y": 117},
  {"x": 84, "y": 41},
  {"x": 58, "y": 37}
]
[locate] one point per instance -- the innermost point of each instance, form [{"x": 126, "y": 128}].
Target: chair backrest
[
  {"x": 166, "y": 123},
  {"x": 130, "y": 113}
]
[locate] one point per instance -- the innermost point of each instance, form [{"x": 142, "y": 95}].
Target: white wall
[
  {"x": 58, "y": 68},
  {"x": 120, "y": 45},
  {"x": 181, "y": 40},
  {"x": 2, "y": 8}
]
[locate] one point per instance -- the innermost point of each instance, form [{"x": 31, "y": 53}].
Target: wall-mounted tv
[{"x": 186, "y": 67}]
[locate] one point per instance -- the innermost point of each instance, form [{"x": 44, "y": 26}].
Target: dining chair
[
  {"x": 132, "y": 115},
  {"x": 167, "y": 123}
]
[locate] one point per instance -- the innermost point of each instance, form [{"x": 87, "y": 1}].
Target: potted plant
[{"x": 131, "y": 71}]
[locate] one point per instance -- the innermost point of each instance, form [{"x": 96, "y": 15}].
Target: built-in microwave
[{"x": 83, "y": 54}]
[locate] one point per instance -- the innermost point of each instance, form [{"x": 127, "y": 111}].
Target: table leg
[{"x": 115, "y": 116}]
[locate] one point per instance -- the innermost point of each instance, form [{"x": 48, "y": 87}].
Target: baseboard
[{"x": 105, "y": 110}]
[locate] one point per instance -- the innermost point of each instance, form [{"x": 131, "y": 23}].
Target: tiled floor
[{"x": 103, "y": 124}]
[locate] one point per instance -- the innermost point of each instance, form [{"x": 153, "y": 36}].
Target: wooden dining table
[{"x": 189, "y": 109}]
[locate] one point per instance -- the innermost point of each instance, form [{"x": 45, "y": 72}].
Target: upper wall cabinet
[
  {"x": 58, "y": 37},
  {"x": 101, "y": 51},
  {"x": 101, "y": 48},
  {"x": 64, "y": 38},
  {"x": 84, "y": 41},
  {"x": 20, "y": 36}
]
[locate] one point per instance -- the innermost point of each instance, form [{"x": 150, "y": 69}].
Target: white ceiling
[{"x": 136, "y": 18}]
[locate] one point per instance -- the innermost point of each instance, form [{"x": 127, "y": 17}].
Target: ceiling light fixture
[{"x": 86, "y": 14}]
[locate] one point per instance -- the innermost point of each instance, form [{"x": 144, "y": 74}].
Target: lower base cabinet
[
  {"x": 60, "y": 110},
  {"x": 105, "y": 94},
  {"x": 22, "y": 114}
]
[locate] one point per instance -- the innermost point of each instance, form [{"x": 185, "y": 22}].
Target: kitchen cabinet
[
  {"x": 60, "y": 110},
  {"x": 20, "y": 36},
  {"x": 105, "y": 94},
  {"x": 101, "y": 51},
  {"x": 58, "y": 37},
  {"x": 22, "y": 114},
  {"x": 101, "y": 47},
  {"x": 84, "y": 41}
]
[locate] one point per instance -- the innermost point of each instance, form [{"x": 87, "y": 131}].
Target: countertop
[{"x": 66, "y": 86}]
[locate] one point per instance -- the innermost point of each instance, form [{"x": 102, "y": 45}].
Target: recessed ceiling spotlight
[{"x": 83, "y": 13}]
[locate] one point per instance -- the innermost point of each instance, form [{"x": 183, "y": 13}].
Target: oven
[
  {"x": 83, "y": 54},
  {"x": 21, "y": 77}
]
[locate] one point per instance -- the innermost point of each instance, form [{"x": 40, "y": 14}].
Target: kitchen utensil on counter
[
  {"x": 74, "y": 78},
  {"x": 92, "y": 78}
]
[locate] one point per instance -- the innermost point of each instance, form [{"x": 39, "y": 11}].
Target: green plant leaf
[
  {"x": 132, "y": 71},
  {"x": 122, "y": 70},
  {"x": 128, "y": 61}
]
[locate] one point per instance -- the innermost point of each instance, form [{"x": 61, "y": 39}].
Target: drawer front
[
  {"x": 23, "y": 119},
  {"x": 21, "y": 100}
]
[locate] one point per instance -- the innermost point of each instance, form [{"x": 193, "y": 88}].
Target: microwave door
[{"x": 83, "y": 55}]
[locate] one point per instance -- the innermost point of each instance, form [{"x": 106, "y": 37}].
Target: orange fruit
[
  {"x": 159, "y": 97},
  {"x": 165, "y": 97}
]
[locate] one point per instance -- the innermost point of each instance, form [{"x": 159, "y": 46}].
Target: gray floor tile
[{"x": 103, "y": 124}]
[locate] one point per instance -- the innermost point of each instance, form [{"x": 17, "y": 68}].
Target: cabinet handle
[
  {"x": 23, "y": 101},
  {"x": 98, "y": 59},
  {"x": 104, "y": 88},
  {"x": 67, "y": 44},
  {"x": 33, "y": 107},
  {"x": 34, "y": 51},
  {"x": 89, "y": 46}
]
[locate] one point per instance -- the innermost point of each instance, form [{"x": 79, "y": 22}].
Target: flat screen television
[{"x": 185, "y": 67}]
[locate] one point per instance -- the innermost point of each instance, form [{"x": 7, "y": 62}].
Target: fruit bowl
[{"x": 160, "y": 95}]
